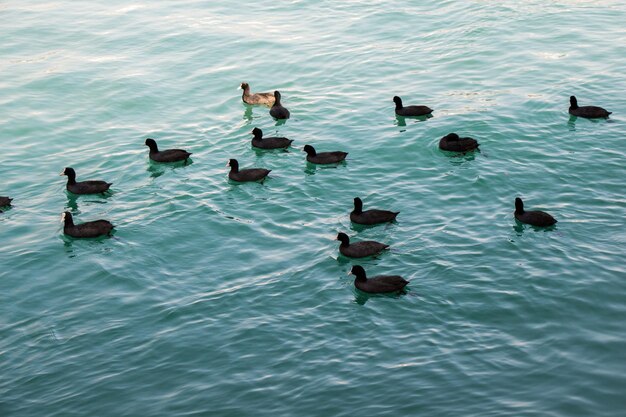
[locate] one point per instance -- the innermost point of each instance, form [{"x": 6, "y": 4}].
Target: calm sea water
[{"x": 231, "y": 300}]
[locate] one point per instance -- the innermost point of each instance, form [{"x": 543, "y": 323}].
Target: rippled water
[{"x": 221, "y": 299}]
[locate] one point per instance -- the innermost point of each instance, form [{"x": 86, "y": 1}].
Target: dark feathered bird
[
  {"x": 370, "y": 217},
  {"x": 83, "y": 187},
  {"x": 323, "y": 157},
  {"x": 410, "y": 110},
  {"x": 5, "y": 201},
  {"x": 453, "y": 143},
  {"x": 535, "y": 218},
  {"x": 245, "y": 175},
  {"x": 278, "y": 111},
  {"x": 256, "y": 98},
  {"x": 89, "y": 229},
  {"x": 359, "y": 249},
  {"x": 589, "y": 112},
  {"x": 168, "y": 155},
  {"x": 378, "y": 284},
  {"x": 268, "y": 143}
]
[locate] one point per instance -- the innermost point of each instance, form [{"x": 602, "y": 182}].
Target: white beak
[{"x": 62, "y": 217}]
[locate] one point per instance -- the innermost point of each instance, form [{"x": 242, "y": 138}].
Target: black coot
[
  {"x": 589, "y": 112},
  {"x": 258, "y": 141},
  {"x": 359, "y": 249},
  {"x": 89, "y": 229},
  {"x": 410, "y": 110},
  {"x": 369, "y": 217},
  {"x": 245, "y": 175},
  {"x": 83, "y": 187},
  {"x": 278, "y": 111},
  {"x": 535, "y": 218},
  {"x": 168, "y": 155},
  {"x": 453, "y": 143},
  {"x": 323, "y": 157},
  {"x": 378, "y": 284}
]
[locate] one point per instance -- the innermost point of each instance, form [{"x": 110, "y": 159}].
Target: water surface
[{"x": 220, "y": 299}]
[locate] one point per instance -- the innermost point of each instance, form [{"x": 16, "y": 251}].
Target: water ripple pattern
[{"x": 222, "y": 299}]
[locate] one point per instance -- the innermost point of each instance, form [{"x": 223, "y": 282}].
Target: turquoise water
[{"x": 231, "y": 300}]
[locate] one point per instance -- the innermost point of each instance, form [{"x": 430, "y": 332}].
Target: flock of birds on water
[{"x": 379, "y": 284}]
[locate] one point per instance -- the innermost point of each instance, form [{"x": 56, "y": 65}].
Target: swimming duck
[
  {"x": 453, "y": 143},
  {"x": 370, "y": 217},
  {"x": 535, "y": 218},
  {"x": 359, "y": 249},
  {"x": 83, "y": 187},
  {"x": 255, "y": 98},
  {"x": 410, "y": 110},
  {"x": 278, "y": 111},
  {"x": 245, "y": 175},
  {"x": 323, "y": 157},
  {"x": 168, "y": 155},
  {"x": 378, "y": 284},
  {"x": 5, "y": 201},
  {"x": 89, "y": 229},
  {"x": 268, "y": 143},
  {"x": 589, "y": 112}
]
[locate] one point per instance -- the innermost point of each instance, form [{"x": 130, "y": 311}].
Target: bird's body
[
  {"x": 246, "y": 175},
  {"x": 269, "y": 143},
  {"x": 534, "y": 218},
  {"x": 323, "y": 157},
  {"x": 377, "y": 284},
  {"x": 410, "y": 111},
  {"x": 85, "y": 230},
  {"x": 370, "y": 217},
  {"x": 359, "y": 249},
  {"x": 589, "y": 112},
  {"x": 266, "y": 99},
  {"x": 5, "y": 201},
  {"x": 278, "y": 111},
  {"x": 83, "y": 187},
  {"x": 453, "y": 143},
  {"x": 168, "y": 155}
]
